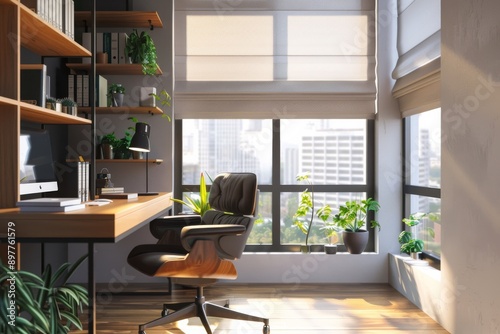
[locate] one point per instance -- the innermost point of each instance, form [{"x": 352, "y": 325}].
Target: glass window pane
[
  {"x": 262, "y": 229},
  {"x": 429, "y": 229},
  {"x": 226, "y": 145},
  {"x": 332, "y": 151},
  {"x": 424, "y": 149}
]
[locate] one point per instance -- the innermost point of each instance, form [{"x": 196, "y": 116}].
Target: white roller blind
[
  {"x": 417, "y": 71},
  {"x": 275, "y": 59}
]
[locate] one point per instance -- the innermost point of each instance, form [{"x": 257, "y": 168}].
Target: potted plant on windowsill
[
  {"x": 409, "y": 244},
  {"x": 351, "y": 218},
  {"x": 329, "y": 228},
  {"x": 303, "y": 217}
]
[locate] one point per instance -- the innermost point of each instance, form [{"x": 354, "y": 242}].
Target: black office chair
[{"x": 204, "y": 251}]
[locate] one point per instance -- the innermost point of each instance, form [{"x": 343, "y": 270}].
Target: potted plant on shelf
[
  {"x": 116, "y": 93},
  {"x": 108, "y": 144},
  {"x": 197, "y": 203},
  {"x": 43, "y": 304},
  {"x": 351, "y": 218},
  {"x": 69, "y": 106},
  {"x": 141, "y": 49},
  {"x": 53, "y": 103}
]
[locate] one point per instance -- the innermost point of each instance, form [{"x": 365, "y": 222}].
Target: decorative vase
[
  {"x": 107, "y": 151},
  {"x": 355, "y": 242},
  {"x": 117, "y": 99}
]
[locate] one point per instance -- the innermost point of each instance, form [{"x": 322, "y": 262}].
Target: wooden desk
[{"x": 94, "y": 224}]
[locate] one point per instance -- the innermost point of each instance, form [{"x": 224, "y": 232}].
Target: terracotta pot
[{"x": 355, "y": 242}]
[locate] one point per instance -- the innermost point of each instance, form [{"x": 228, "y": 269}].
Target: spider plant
[{"x": 197, "y": 203}]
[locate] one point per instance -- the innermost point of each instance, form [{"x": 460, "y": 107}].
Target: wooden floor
[{"x": 304, "y": 309}]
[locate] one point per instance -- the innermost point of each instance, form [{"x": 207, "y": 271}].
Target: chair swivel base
[{"x": 201, "y": 309}]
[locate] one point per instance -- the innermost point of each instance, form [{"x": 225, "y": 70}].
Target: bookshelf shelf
[
  {"x": 38, "y": 114},
  {"x": 121, "y": 110},
  {"x": 45, "y": 40},
  {"x": 112, "y": 69},
  {"x": 129, "y": 161},
  {"x": 122, "y": 19}
]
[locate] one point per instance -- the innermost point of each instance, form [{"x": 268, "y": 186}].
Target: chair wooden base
[{"x": 201, "y": 309}]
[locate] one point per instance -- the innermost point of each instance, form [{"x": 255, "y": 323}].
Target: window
[
  {"x": 335, "y": 152},
  {"x": 423, "y": 176}
]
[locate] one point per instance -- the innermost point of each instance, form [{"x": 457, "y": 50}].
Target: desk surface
[{"x": 107, "y": 223}]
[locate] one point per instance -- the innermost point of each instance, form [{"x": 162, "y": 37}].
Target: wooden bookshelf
[
  {"x": 112, "y": 69},
  {"x": 45, "y": 40},
  {"x": 32, "y": 113},
  {"x": 122, "y": 110},
  {"x": 122, "y": 19}
]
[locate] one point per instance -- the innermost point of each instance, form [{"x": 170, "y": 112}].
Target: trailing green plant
[
  {"x": 141, "y": 50},
  {"x": 164, "y": 99},
  {"x": 44, "y": 304},
  {"x": 352, "y": 215},
  {"x": 197, "y": 203},
  {"x": 408, "y": 243},
  {"x": 305, "y": 208}
]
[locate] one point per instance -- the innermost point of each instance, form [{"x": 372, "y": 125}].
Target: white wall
[{"x": 464, "y": 297}]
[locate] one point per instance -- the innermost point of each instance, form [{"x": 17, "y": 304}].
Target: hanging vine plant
[{"x": 141, "y": 49}]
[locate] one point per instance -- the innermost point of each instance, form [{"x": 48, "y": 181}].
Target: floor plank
[{"x": 304, "y": 309}]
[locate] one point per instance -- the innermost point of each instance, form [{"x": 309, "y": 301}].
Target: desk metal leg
[{"x": 91, "y": 290}]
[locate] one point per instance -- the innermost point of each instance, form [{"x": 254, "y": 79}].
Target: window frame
[
  {"x": 276, "y": 188},
  {"x": 409, "y": 189}
]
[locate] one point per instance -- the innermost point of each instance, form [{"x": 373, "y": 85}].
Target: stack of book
[
  {"x": 114, "y": 190},
  {"x": 58, "y": 13},
  {"x": 78, "y": 90},
  {"x": 50, "y": 205}
]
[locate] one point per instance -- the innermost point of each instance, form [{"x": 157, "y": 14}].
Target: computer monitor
[{"x": 37, "y": 172}]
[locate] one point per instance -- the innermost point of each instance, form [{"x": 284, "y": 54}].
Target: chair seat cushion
[{"x": 149, "y": 258}]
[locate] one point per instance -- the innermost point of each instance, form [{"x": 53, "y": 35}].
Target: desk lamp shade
[{"x": 140, "y": 141}]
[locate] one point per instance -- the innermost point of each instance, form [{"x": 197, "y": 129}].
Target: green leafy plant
[
  {"x": 110, "y": 139},
  {"x": 329, "y": 228},
  {"x": 44, "y": 304},
  {"x": 409, "y": 244},
  {"x": 68, "y": 102},
  {"x": 352, "y": 215},
  {"x": 164, "y": 99},
  {"x": 141, "y": 50},
  {"x": 116, "y": 88},
  {"x": 305, "y": 208},
  {"x": 197, "y": 203}
]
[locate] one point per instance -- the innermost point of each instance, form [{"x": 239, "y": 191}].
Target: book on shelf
[
  {"x": 50, "y": 202},
  {"x": 33, "y": 84},
  {"x": 58, "y": 13},
  {"x": 113, "y": 190},
  {"x": 102, "y": 91},
  {"x": 119, "y": 195},
  {"x": 67, "y": 208},
  {"x": 122, "y": 42},
  {"x": 113, "y": 43}
]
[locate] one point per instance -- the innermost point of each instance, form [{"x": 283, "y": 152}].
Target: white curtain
[
  {"x": 275, "y": 59},
  {"x": 418, "y": 70}
]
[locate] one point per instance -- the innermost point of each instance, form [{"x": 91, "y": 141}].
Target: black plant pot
[{"x": 355, "y": 242}]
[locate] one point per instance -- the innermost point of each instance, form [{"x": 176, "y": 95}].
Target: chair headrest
[{"x": 234, "y": 192}]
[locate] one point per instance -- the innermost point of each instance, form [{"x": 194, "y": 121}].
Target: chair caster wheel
[{"x": 266, "y": 329}]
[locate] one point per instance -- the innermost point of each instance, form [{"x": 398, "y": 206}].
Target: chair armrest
[
  {"x": 160, "y": 226},
  {"x": 216, "y": 234}
]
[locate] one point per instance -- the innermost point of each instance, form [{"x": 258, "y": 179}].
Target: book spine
[
  {"x": 80, "y": 180},
  {"x": 87, "y": 186},
  {"x": 107, "y": 45},
  {"x": 114, "y": 48},
  {"x": 85, "y": 91},
  {"x": 122, "y": 42},
  {"x": 72, "y": 19},
  {"x": 71, "y": 86},
  {"x": 79, "y": 90},
  {"x": 99, "y": 42},
  {"x": 86, "y": 43}
]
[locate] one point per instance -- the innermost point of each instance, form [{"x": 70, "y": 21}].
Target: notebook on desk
[{"x": 56, "y": 201}]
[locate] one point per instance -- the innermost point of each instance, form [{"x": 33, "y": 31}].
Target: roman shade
[
  {"x": 418, "y": 70},
  {"x": 275, "y": 59}
]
